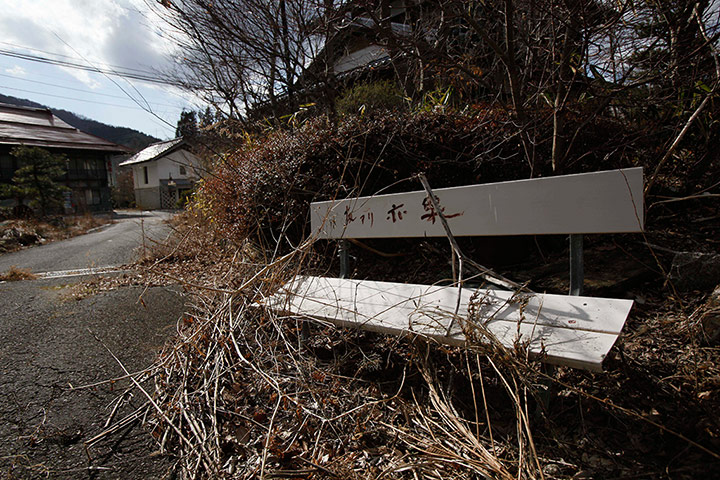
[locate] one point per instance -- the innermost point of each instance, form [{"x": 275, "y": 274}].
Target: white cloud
[
  {"x": 16, "y": 71},
  {"x": 131, "y": 44},
  {"x": 98, "y": 33},
  {"x": 87, "y": 78}
]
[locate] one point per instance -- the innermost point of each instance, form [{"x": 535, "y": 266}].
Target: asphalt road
[
  {"x": 50, "y": 344},
  {"x": 112, "y": 245}
]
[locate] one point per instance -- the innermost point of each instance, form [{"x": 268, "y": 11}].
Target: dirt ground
[
  {"x": 16, "y": 234},
  {"x": 53, "y": 344}
]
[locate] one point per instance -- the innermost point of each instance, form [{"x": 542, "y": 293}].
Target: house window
[
  {"x": 92, "y": 197},
  {"x": 145, "y": 174},
  {"x": 182, "y": 170}
]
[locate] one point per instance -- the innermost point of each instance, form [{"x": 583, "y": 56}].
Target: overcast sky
[{"x": 111, "y": 34}]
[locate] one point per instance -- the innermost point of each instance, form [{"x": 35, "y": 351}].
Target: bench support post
[
  {"x": 304, "y": 332},
  {"x": 577, "y": 273},
  {"x": 344, "y": 259},
  {"x": 344, "y": 273}
]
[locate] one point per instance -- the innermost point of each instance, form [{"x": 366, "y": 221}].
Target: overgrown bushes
[
  {"x": 271, "y": 183},
  {"x": 266, "y": 186}
]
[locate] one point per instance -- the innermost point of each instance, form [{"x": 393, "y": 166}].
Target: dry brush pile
[
  {"x": 240, "y": 394},
  {"x": 16, "y": 234}
]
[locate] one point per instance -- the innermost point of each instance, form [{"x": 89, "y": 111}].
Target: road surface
[
  {"x": 50, "y": 343},
  {"x": 112, "y": 245}
]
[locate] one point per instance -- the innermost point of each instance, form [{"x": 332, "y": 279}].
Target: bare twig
[{"x": 485, "y": 272}]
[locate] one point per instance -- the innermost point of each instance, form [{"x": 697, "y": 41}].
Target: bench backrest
[{"x": 600, "y": 202}]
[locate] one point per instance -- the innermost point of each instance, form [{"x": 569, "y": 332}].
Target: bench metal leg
[
  {"x": 304, "y": 332},
  {"x": 577, "y": 273},
  {"x": 344, "y": 259},
  {"x": 546, "y": 394},
  {"x": 344, "y": 273}
]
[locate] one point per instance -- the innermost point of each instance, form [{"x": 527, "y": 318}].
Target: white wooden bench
[{"x": 574, "y": 331}]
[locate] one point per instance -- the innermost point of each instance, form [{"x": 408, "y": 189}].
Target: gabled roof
[
  {"x": 343, "y": 59},
  {"x": 155, "y": 151},
  {"x": 38, "y": 127}
]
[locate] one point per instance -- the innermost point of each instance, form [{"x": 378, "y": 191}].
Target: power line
[
  {"x": 121, "y": 97},
  {"x": 125, "y": 73},
  {"x": 75, "y": 99},
  {"x": 193, "y": 103},
  {"x": 77, "y": 66},
  {"x": 147, "y": 108},
  {"x": 8, "y": 64},
  {"x": 162, "y": 125},
  {"x": 128, "y": 69}
]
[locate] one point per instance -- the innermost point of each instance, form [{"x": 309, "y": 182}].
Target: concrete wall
[
  {"x": 139, "y": 175},
  {"x": 169, "y": 166},
  {"x": 147, "y": 198}
]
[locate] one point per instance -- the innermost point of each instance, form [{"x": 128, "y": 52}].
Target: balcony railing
[{"x": 85, "y": 174}]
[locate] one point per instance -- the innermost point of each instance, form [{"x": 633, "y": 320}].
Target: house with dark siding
[{"x": 89, "y": 158}]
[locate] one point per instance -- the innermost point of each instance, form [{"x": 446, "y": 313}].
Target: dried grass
[
  {"x": 15, "y": 274},
  {"x": 239, "y": 394},
  {"x": 16, "y": 234}
]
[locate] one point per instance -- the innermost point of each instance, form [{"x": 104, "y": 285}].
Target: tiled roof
[
  {"x": 38, "y": 127},
  {"x": 153, "y": 151}
]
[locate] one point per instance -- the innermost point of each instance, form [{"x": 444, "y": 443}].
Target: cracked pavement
[{"x": 51, "y": 344}]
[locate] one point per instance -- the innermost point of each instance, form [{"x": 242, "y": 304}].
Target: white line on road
[{"x": 80, "y": 271}]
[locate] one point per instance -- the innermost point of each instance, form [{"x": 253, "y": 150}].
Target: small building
[
  {"x": 162, "y": 173},
  {"x": 354, "y": 53},
  {"x": 88, "y": 157}
]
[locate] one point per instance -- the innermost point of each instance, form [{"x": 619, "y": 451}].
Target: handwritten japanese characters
[
  {"x": 431, "y": 214},
  {"x": 396, "y": 213},
  {"x": 365, "y": 216}
]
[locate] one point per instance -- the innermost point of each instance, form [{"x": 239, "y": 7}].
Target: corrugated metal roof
[
  {"x": 365, "y": 57},
  {"x": 153, "y": 151},
  {"x": 38, "y": 127}
]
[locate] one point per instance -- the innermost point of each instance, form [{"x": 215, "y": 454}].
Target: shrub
[
  {"x": 371, "y": 97},
  {"x": 269, "y": 184},
  {"x": 123, "y": 193},
  {"x": 266, "y": 186},
  {"x": 37, "y": 179}
]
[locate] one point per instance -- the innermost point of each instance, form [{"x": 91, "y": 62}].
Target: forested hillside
[{"x": 120, "y": 135}]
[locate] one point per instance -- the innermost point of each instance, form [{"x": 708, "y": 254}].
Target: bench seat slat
[{"x": 572, "y": 331}]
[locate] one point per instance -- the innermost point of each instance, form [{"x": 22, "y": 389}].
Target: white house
[{"x": 162, "y": 172}]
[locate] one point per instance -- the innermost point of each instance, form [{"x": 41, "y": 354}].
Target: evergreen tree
[
  {"x": 37, "y": 178},
  {"x": 187, "y": 125},
  {"x": 207, "y": 118}
]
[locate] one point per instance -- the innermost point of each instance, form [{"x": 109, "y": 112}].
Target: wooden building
[{"x": 89, "y": 158}]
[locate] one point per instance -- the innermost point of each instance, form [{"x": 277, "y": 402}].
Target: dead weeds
[
  {"x": 16, "y": 234},
  {"x": 15, "y": 274},
  {"x": 239, "y": 394}
]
